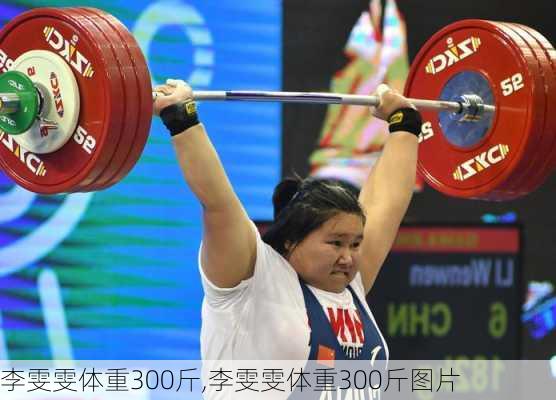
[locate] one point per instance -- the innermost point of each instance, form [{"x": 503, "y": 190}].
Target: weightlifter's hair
[{"x": 301, "y": 206}]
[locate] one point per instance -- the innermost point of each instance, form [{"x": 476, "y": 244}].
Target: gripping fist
[
  {"x": 390, "y": 101},
  {"x": 173, "y": 92}
]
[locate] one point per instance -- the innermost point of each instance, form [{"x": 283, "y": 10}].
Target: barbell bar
[{"x": 469, "y": 104}]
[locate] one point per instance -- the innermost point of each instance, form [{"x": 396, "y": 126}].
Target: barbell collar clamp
[
  {"x": 472, "y": 107},
  {"x": 9, "y": 103}
]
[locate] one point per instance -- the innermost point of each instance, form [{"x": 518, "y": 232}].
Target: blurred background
[{"x": 114, "y": 275}]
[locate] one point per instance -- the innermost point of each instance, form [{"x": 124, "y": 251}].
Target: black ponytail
[{"x": 283, "y": 194}]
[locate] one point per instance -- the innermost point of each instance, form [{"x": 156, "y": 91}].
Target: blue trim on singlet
[{"x": 322, "y": 333}]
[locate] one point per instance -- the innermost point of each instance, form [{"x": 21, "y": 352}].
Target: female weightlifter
[{"x": 299, "y": 291}]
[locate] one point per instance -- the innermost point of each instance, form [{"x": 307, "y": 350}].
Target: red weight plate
[
  {"x": 128, "y": 98},
  {"x": 90, "y": 149},
  {"x": 144, "y": 99},
  {"x": 518, "y": 182},
  {"x": 477, "y": 46},
  {"x": 530, "y": 175},
  {"x": 550, "y": 54},
  {"x": 119, "y": 94},
  {"x": 541, "y": 167}
]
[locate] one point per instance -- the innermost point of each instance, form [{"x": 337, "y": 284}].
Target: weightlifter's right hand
[{"x": 173, "y": 92}]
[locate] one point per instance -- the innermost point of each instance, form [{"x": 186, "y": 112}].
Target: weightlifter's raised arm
[
  {"x": 387, "y": 191},
  {"x": 229, "y": 242}
]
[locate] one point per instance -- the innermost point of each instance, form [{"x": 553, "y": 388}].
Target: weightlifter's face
[{"x": 328, "y": 257}]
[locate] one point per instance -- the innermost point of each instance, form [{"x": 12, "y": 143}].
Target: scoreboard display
[{"x": 451, "y": 292}]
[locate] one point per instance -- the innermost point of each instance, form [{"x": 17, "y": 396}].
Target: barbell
[{"x": 76, "y": 104}]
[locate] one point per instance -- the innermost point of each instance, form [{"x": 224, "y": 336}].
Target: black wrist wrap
[
  {"x": 180, "y": 117},
  {"x": 405, "y": 119}
]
